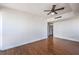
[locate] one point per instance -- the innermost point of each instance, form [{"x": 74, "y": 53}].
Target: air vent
[{"x": 58, "y": 17}]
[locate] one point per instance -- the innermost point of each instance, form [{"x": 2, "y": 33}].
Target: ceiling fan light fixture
[{"x": 52, "y": 13}]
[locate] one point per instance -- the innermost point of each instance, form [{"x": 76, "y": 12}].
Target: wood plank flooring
[
  {"x": 50, "y": 46},
  {"x": 65, "y": 47}
]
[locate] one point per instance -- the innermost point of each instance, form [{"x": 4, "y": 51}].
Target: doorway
[{"x": 50, "y": 29}]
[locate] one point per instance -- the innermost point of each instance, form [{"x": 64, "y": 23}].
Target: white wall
[
  {"x": 0, "y": 30},
  {"x": 21, "y": 28},
  {"x": 67, "y": 29}
]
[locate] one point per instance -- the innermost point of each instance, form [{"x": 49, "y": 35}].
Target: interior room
[{"x": 39, "y": 28}]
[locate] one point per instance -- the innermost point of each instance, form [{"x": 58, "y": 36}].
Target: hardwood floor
[
  {"x": 50, "y": 46},
  {"x": 66, "y": 47}
]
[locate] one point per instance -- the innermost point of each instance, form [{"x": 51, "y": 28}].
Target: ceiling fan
[{"x": 53, "y": 10}]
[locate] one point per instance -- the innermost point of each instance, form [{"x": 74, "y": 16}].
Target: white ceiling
[{"x": 38, "y": 8}]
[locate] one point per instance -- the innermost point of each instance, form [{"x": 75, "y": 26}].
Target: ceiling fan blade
[
  {"x": 53, "y": 7},
  {"x": 55, "y": 12},
  {"x": 59, "y": 9},
  {"x": 47, "y": 10},
  {"x": 49, "y": 13}
]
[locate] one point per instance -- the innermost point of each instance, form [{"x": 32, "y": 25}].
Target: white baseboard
[
  {"x": 22, "y": 43},
  {"x": 67, "y": 38}
]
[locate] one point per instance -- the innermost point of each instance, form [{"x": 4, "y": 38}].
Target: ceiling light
[{"x": 52, "y": 13}]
